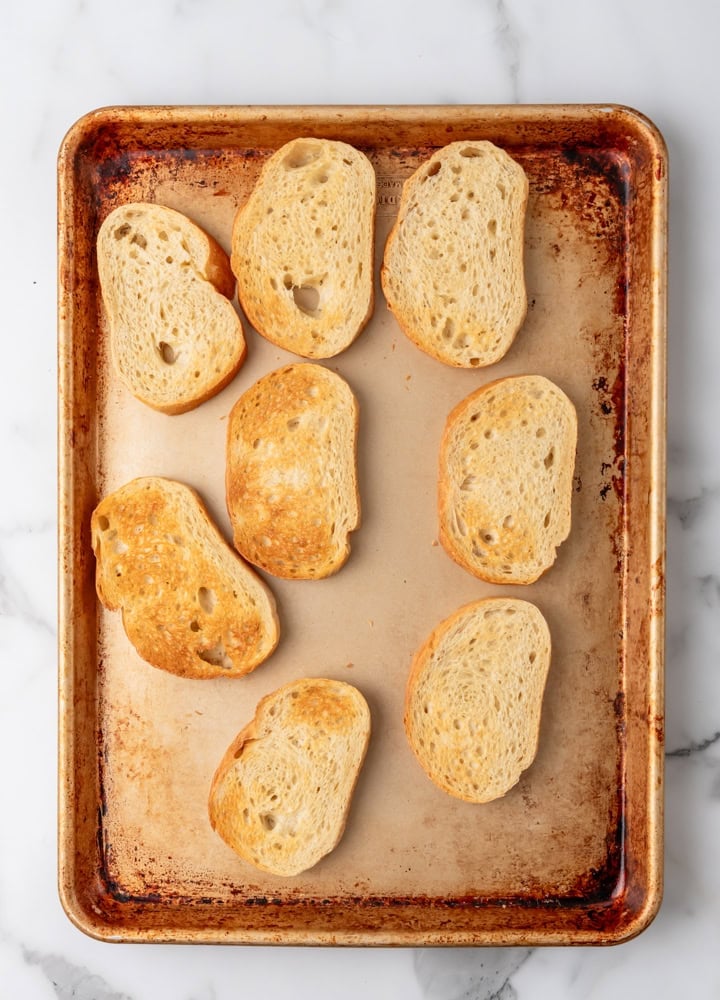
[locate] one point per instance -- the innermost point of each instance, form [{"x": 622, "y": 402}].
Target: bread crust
[
  {"x": 474, "y": 695},
  {"x": 452, "y": 270},
  {"x": 190, "y": 605},
  {"x": 291, "y": 474},
  {"x": 281, "y": 795},
  {"x": 507, "y": 528},
  {"x": 159, "y": 272},
  {"x": 303, "y": 247}
]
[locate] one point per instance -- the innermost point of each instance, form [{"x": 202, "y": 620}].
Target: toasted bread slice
[
  {"x": 190, "y": 605},
  {"x": 291, "y": 480},
  {"x": 505, "y": 481},
  {"x": 175, "y": 337},
  {"x": 302, "y": 247},
  {"x": 474, "y": 697},
  {"x": 453, "y": 272},
  {"x": 281, "y": 794}
]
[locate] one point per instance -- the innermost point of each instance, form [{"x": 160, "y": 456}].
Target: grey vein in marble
[
  {"x": 509, "y": 45},
  {"x": 710, "y": 589},
  {"x": 688, "y": 510},
  {"x": 468, "y": 973},
  {"x": 72, "y": 982},
  {"x": 15, "y": 603},
  {"x": 695, "y": 747}
]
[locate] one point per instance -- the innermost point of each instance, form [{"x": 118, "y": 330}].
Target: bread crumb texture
[
  {"x": 302, "y": 247},
  {"x": 176, "y": 339},
  {"x": 281, "y": 795},
  {"x": 453, "y": 272},
  {"x": 506, "y": 466},
  {"x": 474, "y": 697},
  {"x": 190, "y": 605},
  {"x": 291, "y": 477}
]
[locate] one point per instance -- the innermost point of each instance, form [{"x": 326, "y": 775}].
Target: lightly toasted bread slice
[
  {"x": 291, "y": 480},
  {"x": 474, "y": 697},
  {"x": 452, "y": 271},
  {"x": 302, "y": 247},
  {"x": 189, "y": 604},
  {"x": 505, "y": 481},
  {"x": 281, "y": 794},
  {"x": 175, "y": 338}
]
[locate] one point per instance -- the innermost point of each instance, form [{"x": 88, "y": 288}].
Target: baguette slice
[
  {"x": 505, "y": 482},
  {"x": 291, "y": 478},
  {"x": 281, "y": 794},
  {"x": 190, "y": 605},
  {"x": 474, "y": 696},
  {"x": 452, "y": 272},
  {"x": 302, "y": 247},
  {"x": 176, "y": 339}
]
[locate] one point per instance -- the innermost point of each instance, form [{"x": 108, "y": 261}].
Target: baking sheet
[{"x": 573, "y": 852}]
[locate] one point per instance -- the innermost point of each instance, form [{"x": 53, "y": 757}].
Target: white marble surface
[{"x": 58, "y": 60}]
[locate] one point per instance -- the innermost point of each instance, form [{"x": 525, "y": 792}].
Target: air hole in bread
[
  {"x": 293, "y": 424},
  {"x": 546, "y": 521},
  {"x": 550, "y": 458},
  {"x": 448, "y": 329},
  {"x": 533, "y": 656},
  {"x": 474, "y": 362},
  {"x": 122, "y": 231},
  {"x": 306, "y": 298},
  {"x": 509, "y": 521},
  {"x": 167, "y": 353},
  {"x": 454, "y": 197},
  {"x": 194, "y": 626},
  {"x": 216, "y": 656},
  {"x": 470, "y": 152},
  {"x": 489, "y": 536},
  {"x": 492, "y": 253},
  {"x": 433, "y": 169},
  {"x": 103, "y": 523},
  {"x": 502, "y": 190},
  {"x": 268, "y": 822},
  {"x": 464, "y": 214},
  {"x": 301, "y": 155},
  {"x": 468, "y": 482},
  {"x": 207, "y": 600},
  {"x": 168, "y": 260},
  {"x": 460, "y": 524}
]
